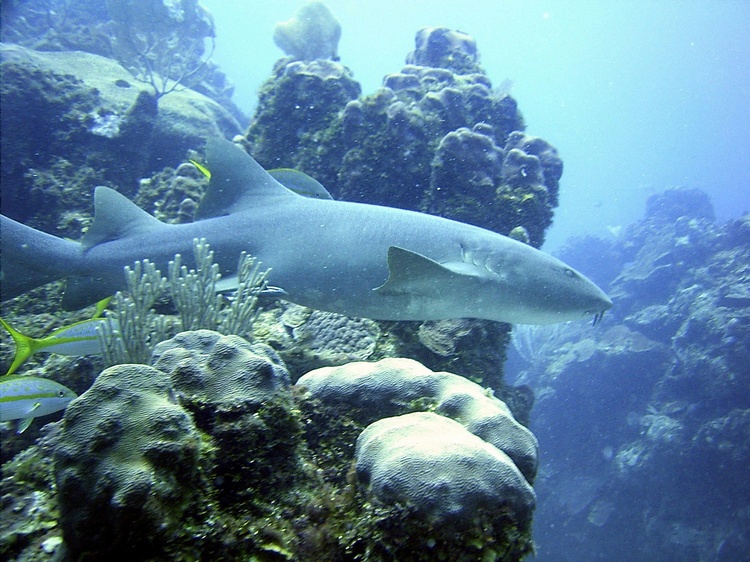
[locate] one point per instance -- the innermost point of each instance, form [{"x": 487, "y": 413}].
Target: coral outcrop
[
  {"x": 211, "y": 453},
  {"x": 164, "y": 45},
  {"x": 661, "y": 392},
  {"x": 127, "y": 466},
  {"x": 464, "y": 464},
  {"x": 391, "y": 387},
  {"x": 430, "y": 463},
  {"x": 440, "y": 47},
  {"x": 94, "y": 124},
  {"x": 239, "y": 394},
  {"x": 436, "y": 138},
  {"x": 300, "y": 101}
]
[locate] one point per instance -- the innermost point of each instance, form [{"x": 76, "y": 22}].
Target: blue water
[
  {"x": 643, "y": 420},
  {"x": 637, "y": 95}
]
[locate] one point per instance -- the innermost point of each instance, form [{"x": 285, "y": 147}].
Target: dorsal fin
[
  {"x": 115, "y": 217},
  {"x": 236, "y": 181},
  {"x": 300, "y": 183}
]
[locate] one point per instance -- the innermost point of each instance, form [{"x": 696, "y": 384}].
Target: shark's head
[{"x": 528, "y": 286}]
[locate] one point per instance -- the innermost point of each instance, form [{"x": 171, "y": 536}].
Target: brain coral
[
  {"x": 221, "y": 373},
  {"x": 239, "y": 393},
  {"x": 464, "y": 467},
  {"x": 126, "y": 466},
  {"x": 395, "y": 386},
  {"x": 436, "y": 466}
]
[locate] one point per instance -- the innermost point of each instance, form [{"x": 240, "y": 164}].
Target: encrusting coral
[{"x": 214, "y": 432}]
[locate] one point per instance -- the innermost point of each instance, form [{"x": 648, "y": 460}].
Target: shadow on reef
[{"x": 652, "y": 465}]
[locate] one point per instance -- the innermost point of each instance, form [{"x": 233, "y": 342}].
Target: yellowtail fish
[
  {"x": 26, "y": 398},
  {"x": 77, "y": 339}
]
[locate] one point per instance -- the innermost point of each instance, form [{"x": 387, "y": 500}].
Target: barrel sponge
[
  {"x": 396, "y": 386},
  {"x": 434, "y": 465},
  {"x": 221, "y": 372},
  {"x": 126, "y": 465}
]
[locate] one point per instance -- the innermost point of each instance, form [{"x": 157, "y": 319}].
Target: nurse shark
[{"x": 352, "y": 258}]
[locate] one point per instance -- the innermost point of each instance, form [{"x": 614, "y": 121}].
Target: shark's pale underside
[{"x": 355, "y": 259}]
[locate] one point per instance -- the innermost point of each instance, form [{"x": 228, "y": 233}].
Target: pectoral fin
[
  {"x": 24, "y": 423},
  {"x": 411, "y": 272}
]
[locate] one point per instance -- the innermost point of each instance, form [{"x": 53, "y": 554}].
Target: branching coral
[{"x": 131, "y": 332}]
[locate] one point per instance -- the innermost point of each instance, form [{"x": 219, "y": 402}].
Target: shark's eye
[
  {"x": 570, "y": 273},
  {"x": 61, "y": 394}
]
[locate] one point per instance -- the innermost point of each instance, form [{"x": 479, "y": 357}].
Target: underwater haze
[
  {"x": 297, "y": 362},
  {"x": 637, "y": 95}
]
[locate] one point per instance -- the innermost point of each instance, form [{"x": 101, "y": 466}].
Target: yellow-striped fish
[
  {"x": 77, "y": 339},
  {"x": 26, "y": 398}
]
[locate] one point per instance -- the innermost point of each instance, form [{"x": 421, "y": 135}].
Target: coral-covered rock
[
  {"x": 660, "y": 391},
  {"x": 296, "y": 105},
  {"x": 466, "y": 171},
  {"x": 221, "y": 373},
  {"x": 392, "y": 387},
  {"x": 239, "y": 394},
  {"x": 431, "y": 139},
  {"x": 435, "y": 466},
  {"x": 433, "y": 451},
  {"x": 127, "y": 466},
  {"x": 441, "y": 47},
  {"x": 94, "y": 124}
]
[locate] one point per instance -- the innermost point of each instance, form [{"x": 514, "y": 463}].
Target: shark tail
[{"x": 30, "y": 258}]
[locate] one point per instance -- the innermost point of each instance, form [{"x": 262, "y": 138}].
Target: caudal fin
[{"x": 29, "y": 258}]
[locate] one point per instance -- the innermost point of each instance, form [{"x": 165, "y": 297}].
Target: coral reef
[
  {"x": 429, "y": 462},
  {"x": 94, "y": 125},
  {"x": 29, "y": 517},
  {"x": 661, "y": 393},
  {"x": 239, "y": 393},
  {"x": 212, "y": 453},
  {"x": 295, "y": 106},
  {"x": 440, "y": 47},
  {"x": 313, "y": 33},
  {"x": 162, "y": 44},
  {"x": 436, "y": 443},
  {"x": 440, "y": 109},
  {"x": 437, "y": 138},
  {"x": 370, "y": 391},
  {"x": 129, "y": 456}
]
